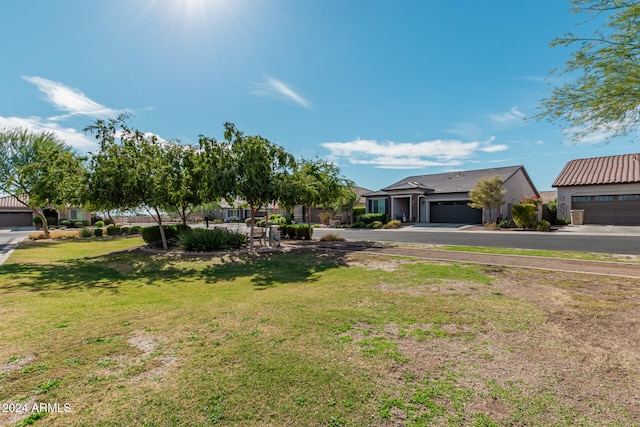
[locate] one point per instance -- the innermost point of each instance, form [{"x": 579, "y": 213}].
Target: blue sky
[{"x": 386, "y": 89}]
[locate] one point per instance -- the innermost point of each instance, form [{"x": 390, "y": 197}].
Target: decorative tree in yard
[
  {"x": 346, "y": 202},
  {"x": 315, "y": 183},
  {"x": 133, "y": 170},
  {"x": 488, "y": 194},
  {"x": 258, "y": 167},
  {"x": 40, "y": 171},
  {"x": 601, "y": 94}
]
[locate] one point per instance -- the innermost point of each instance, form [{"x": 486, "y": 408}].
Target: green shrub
[
  {"x": 112, "y": 230},
  {"x": 136, "y": 229},
  {"x": 51, "y": 220},
  {"x": 98, "y": 232},
  {"x": 296, "y": 231},
  {"x": 37, "y": 221},
  {"x": 151, "y": 235},
  {"x": 524, "y": 215},
  {"x": 358, "y": 224},
  {"x": 100, "y": 224},
  {"x": 372, "y": 217},
  {"x": 79, "y": 224},
  {"x": 543, "y": 225},
  {"x": 86, "y": 223},
  {"x": 64, "y": 222},
  {"x": 85, "y": 232},
  {"x": 562, "y": 221},
  {"x": 376, "y": 224},
  {"x": 505, "y": 223},
  {"x": 204, "y": 240},
  {"x": 357, "y": 211},
  {"x": 126, "y": 231}
]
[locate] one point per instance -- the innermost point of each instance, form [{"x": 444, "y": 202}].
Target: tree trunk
[
  {"x": 45, "y": 225},
  {"x": 251, "y": 227},
  {"x": 165, "y": 246}
]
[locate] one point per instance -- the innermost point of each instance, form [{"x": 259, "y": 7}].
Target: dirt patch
[{"x": 16, "y": 364}]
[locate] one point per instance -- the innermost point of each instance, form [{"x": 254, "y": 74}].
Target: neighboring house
[
  {"x": 236, "y": 212},
  {"x": 444, "y": 197},
  {"x": 606, "y": 188},
  {"x": 14, "y": 214},
  {"x": 300, "y": 213}
]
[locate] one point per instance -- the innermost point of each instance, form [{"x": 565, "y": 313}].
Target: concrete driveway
[{"x": 10, "y": 238}]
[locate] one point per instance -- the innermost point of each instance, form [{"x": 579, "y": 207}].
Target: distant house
[
  {"x": 14, "y": 213},
  {"x": 444, "y": 197},
  {"x": 300, "y": 213},
  {"x": 606, "y": 188}
]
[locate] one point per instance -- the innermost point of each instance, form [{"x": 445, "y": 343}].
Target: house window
[
  {"x": 604, "y": 198},
  {"x": 233, "y": 213},
  {"x": 580, "y": 199},
  {"x": 629, "y": 197},
  {"x": 378, "y": 206},
  {"x": 77, "y": 215}
]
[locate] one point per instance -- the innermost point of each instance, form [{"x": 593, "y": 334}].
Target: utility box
[{"x": 577, "y": 216}]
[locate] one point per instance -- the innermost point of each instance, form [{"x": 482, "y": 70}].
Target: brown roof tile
[
  {"x": 620, "y": 169},
  {"x": 10, "y": 202}
]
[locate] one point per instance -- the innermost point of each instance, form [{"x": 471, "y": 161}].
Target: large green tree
[
  {"x": 133, "y": 170},
  {"x": 259, "y": 169},
  {"x": 313, "y": 183},
  {"x": 488, "y": 194},
  {"x": 602, "y": 94},
  {"x": 40, "y": 171}
]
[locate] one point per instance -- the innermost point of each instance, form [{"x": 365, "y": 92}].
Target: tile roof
[
  {"x": 452, "y": 182},
  {"x": 11, "y": 202},
  {"x": 622, "y": 169}
]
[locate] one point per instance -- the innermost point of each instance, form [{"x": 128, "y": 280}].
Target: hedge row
[
  {"x": 297, "y": 231},
  {"x": 151, "y": 235}
]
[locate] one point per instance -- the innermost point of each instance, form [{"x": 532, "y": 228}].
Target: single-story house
[
  {"x": 606, "y": 188},
  {"x": 300, "y": 213},
  {"x": 444, "y": 197},
  {"x": 14, "y": 213}
]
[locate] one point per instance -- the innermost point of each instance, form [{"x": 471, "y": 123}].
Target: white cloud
[
  {"x": 278, "y": 89},
  {"x": 72, "y": 101},
  {"x": 508, "y": 118},
  {"x": 69, "y": 136},
  {"x": 391, "y": 155}
]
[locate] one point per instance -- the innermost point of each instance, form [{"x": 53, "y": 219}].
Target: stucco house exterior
[
  {"x": 444, "y": 197},
  {"x": 606, "y": 188},
  {"x": 14, "y": 213}
]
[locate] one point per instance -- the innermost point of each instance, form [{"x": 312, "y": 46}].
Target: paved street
[{"x": 603, "y": 239}]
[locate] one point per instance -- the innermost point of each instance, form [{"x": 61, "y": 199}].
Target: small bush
[
  {"x": 505, "y": 223},
  {"x": 372, "y": 217},
  {"x": 136, "y": 229},
  {"x": 524, "y": 215},
  {"x": 114, "y": 231},
  {"x": 98, "y": 232},
  {"x": 491, "y": 226},
  {"x": 562, "y": 221},
  {"x": 358, "y": 224},
  {"x": 393, "y": 224},
  {"x": 296, "y": 231},
  {"x": 79, "y": 224},
  {"x": 85, "y": 232},
  {"x": 100, "y": 224},
  {"x": 376, "y": 224},
  {"x": 126, "y": 231},
  {"x": 86, "y": 223},
  {"x": 151, "y": 235},
  {"x": 64, "y": 222},
  {"x": 51, "y": 220},
  {"x": 543, "y": 225},
  {"x": 357, "y": 211},
  {"x": 203, "y": 240},
  {"x": 37, "y": 221},
  {"x": 332, "y": 238}
]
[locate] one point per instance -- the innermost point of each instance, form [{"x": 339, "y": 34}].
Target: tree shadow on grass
[
  {"x": 301, "y": 264},
  {"x": 103, "y": 273}
]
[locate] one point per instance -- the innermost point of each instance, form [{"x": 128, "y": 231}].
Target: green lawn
[{"x": 129, "y": 338}]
